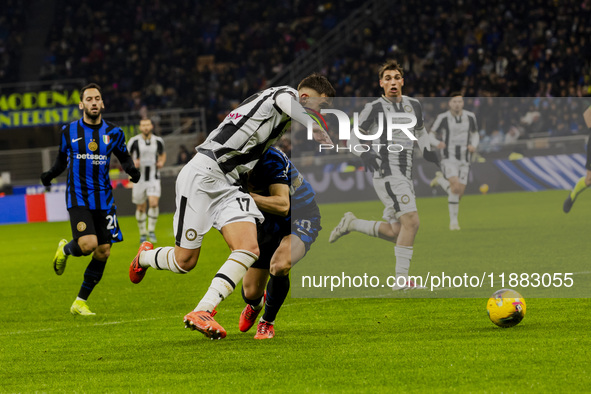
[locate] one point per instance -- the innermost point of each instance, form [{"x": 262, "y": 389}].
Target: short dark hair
[
  {"x": 90, "y": 86},
  {"x": 319, "y": 83},
  {"x": 390, "y": 65},
  {"x": 455, "y": 94}
]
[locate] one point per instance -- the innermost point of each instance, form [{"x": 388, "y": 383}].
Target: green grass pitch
[{"x": 137, "y": 342}]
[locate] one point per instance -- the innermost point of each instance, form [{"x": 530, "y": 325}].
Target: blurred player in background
[
  {"x": 85, "y": 149},
  {"x": 149, "y": 156},
  {"x": 208, "y": 192},
  {"x": 292, "y": 223},
  {"x": 459, "y": 132},
  {"x": 392, "y": 173},
  {"x": 585, "y": 181}
]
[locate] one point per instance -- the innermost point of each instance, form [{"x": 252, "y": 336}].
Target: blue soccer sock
[
  {"x": 73, "y": 249},
  {"x": 92, "y": 276},
  {"x": 277, "y": 290}
]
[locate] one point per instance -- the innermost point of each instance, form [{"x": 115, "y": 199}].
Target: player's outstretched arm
[
  {"x": 129, "y": 168},
  {"x": 294, "y": 110},
  {"x": 435, "y": 143},
  {"x": 125, "y": 158},
  {"x": 424, "y": 142},
  {"x": 277, "y": 202},
  {"x": 61, "y": 163}
]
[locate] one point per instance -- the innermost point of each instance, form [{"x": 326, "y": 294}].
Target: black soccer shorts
[{"x": 103, "y": 224}]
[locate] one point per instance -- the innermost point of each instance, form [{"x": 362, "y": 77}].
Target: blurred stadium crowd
[{"x": 213, "y": 54}]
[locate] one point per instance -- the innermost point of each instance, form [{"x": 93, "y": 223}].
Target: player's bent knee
[
  {"x": 186, "y": 264},
  {"x": 412, "y": 223},
  {"x": 281, "y": 269},
  {"x": 102, "y": 256},
  {"x": 185, "y": 259},
  {"x": 254, "y": 249},
  {"x": 253, "y": 289},
  {"x": 87, "y": 248}
]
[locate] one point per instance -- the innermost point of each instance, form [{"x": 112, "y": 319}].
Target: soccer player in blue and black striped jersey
[
  {"x": 584, "y": 182},
  {"x": 85, "y": 149},
  {"x": 292, "y": 223}
]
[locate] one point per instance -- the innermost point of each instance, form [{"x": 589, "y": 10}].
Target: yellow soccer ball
[
  {"x": 506, "y": 308},
  {"x": 484, "y": 188}
]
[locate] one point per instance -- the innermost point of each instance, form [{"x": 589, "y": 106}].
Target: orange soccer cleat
[
  {"x": 265, "y": 330},
  {"x": 137, "y": 272},
  {"x": 249, "y": 316},
  {"x": 204, "y": 322}
]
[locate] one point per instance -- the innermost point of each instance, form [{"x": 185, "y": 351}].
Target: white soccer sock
[
  {"x": 403, "y": 256},
  {"x": 161, "y": 259},
  {"x": 152, "y": 218},
  {"x": 368, "y": 227},
  {"x": 453, "y": 202},
  {"x": 225, "y": 281},
  {"x": 141, "y": 222},
  {"x": 444, "y": 183}
]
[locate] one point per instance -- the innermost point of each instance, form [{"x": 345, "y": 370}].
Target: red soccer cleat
[
  {"x": 265, "y": 330},
  {"x": 136, "y": 272},
  {"x": 204, "y": 322},
  {"x": 249, "y": 316}
]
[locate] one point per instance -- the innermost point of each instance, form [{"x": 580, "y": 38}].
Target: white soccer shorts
[
  {"x": 398, "y": 196},
  {"x": 142, "y": 190},
  {"x": 206, "y": 199},
  {"x": 456, "y": 168}
]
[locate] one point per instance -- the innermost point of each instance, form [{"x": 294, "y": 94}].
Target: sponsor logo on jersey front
[{"x": 96, "y": 159}]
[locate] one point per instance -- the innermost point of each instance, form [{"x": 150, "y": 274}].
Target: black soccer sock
[
  {"x": 252, "y": 302},
  {"x": 277, "y": 290},
  {"x": 92, "y": 276},
  {"x": 73, "y": 249}
]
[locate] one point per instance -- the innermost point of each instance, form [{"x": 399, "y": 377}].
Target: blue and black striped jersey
[
  {"x": 275, "y": 167},
  {"x": 88, "y": 149}
]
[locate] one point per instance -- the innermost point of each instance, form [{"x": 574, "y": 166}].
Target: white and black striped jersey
[
  {"x": 457, "y": 132},
  {"x": 393, "y": 163},
  {"x": 147, "y": 151},
  {"x": 247, "y": 132}
]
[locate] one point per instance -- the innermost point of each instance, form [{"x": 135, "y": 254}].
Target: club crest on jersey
[
  {"x": 408, "y": 108},
  {"x": 81, "y": 226},
  {"x": 191, "y": 234},
  {"x": 106, "y": 139},
  {"x": 92, "y": 145}
]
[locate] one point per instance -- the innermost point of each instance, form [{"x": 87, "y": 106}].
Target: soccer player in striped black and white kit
[
  {"x": 149, "y": 156},
  {"x": 392, "y": 173},
  {"x": 208, "y": 192},
  {"x": 459, "y": 132},
  {"x": 85, "y": 149}
]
